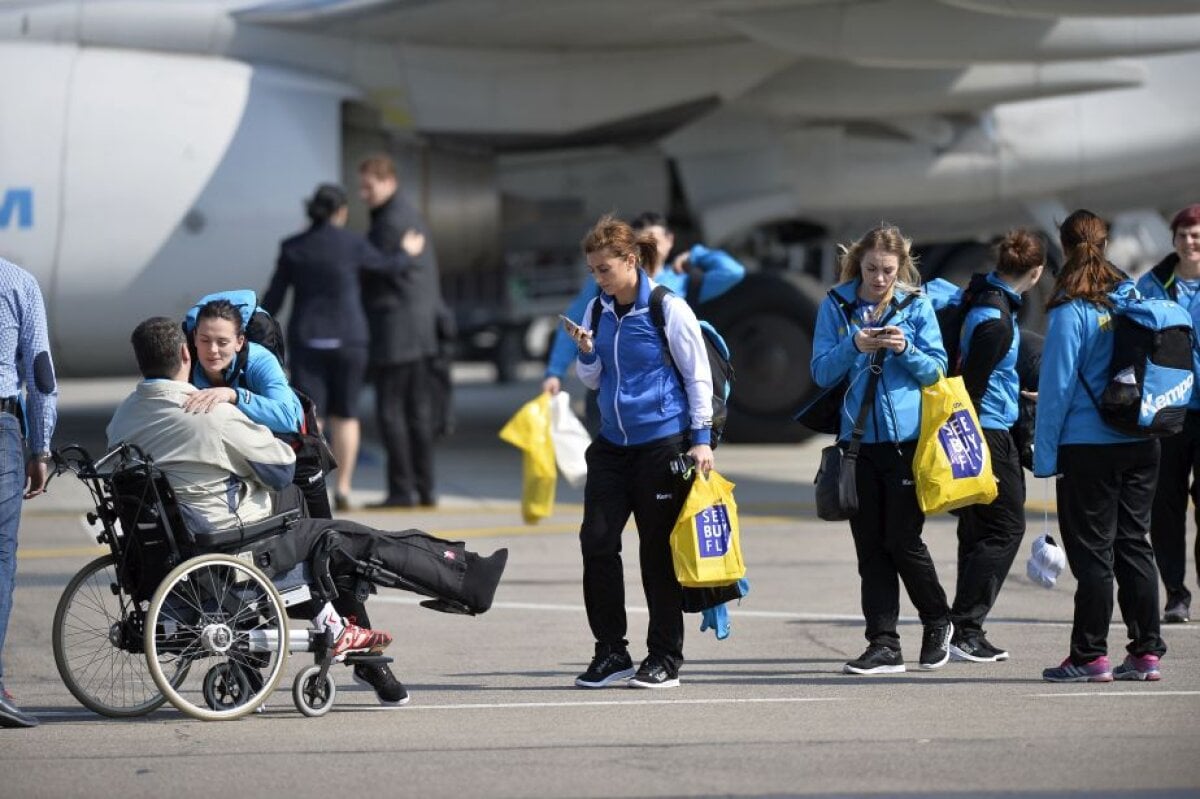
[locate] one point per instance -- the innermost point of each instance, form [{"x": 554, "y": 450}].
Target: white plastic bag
[
  {"x": 1046, "y": 561},
  {"x": 570, "y": 438}
]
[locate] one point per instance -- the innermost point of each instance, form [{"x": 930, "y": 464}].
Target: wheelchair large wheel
[
  {"x": 225, "y": 619},
  {"x": 313, "y": 694},
  {"x": 97, "y": 639}
]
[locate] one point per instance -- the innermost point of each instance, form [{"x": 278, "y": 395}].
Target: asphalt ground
[{"x": 494, "y": 712}]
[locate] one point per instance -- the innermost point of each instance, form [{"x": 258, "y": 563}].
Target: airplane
[{"x": 152, "y": 151}]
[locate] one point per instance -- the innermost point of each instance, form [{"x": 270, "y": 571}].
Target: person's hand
[
  {"x": 1029, "y": 395},
  {"x": 551, "y": 385},
  {"x": 866, "y": 339},
  {"x": 206, "y": 399},
  {"x": 702, "y": 454},
  {"x": 413, "y": 242},
  {"x": 892, "y": 338},
  {"x": 680, "y": 264},
  {"x": 35, "y": 477},
  {"x": 582, "y": 338}
]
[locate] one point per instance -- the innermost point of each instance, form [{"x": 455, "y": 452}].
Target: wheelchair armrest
[{"x": 247, "y": 533}]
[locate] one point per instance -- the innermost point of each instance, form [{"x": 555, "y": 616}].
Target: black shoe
[
  {"x": 655, "y": 673},
  {"x": 974, "y": 648},
  {"x": 935, "y": 645},
  {"x": 427, "y": 501},
  {"x": 607, "y": 667},
  {"x": 341, "y": 503},
  {"x": 1177, "y": 612},
  {"x": 389, "y": 690},
  {"x": 878, "y": 659},
  {"x": 13, "y": 716},
  {"x": 997, "y": 653},
  {"x": 481, "y": 579}
]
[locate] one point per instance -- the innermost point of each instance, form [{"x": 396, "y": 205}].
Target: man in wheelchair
[{"x": 228, "y": 472}]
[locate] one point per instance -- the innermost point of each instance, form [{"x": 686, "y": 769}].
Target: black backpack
[
  {"x": 718, "y": 357},
  {"x": 951, "y": 311},
  {"x": 1150, "y": 373}
]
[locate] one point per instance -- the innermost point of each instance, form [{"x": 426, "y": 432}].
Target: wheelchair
[{"x": 199, "y": 620}]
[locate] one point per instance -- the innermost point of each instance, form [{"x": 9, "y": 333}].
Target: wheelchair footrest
[
  {"x": 364, "y": 659},
  {"x": 447, "y": 606}
]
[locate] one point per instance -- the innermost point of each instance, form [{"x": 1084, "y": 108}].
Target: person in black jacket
[
  {"x": 327, "y": 333},
  {"x": 989, "y": 535},
  {"x": 402, "y": 313}
]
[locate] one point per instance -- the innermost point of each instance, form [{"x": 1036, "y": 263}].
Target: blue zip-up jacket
[
  {"x": 641, "y": 399},
  {"x": 1079, "y": 339},
  {"x": 1187, "y": 295},
  {"x": 721, "y": 273},
  {"x": 896, "y": 414},
  {"x": 990, "y": 374},
  {"x": 263, "y": 391}
]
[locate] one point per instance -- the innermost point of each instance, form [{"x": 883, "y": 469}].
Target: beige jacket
[{"x": 221, "y": 465}]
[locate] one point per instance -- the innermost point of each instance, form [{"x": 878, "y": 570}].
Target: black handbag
[{"x": 837, "y": 479}]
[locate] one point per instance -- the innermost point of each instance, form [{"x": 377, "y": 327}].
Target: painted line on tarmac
[
  {"x": 609, "y": 703},
  {"x": 1148, "y": 694}
]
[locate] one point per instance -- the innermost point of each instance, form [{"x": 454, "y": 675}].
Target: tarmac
[{"x": 766, "y": 712}]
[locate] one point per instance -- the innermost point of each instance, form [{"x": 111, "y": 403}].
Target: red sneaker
[{"x": 359, "y": 639}]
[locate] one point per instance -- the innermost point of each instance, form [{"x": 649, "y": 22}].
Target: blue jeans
[{"x": 12, "y": 485}]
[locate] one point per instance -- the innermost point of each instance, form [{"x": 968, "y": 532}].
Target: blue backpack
[
  {"x": 1150, "y": 377},
  {"x": 951, "y": 304}
]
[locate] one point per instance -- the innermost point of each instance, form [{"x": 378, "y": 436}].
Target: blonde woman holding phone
[{"x": 876, "y": 319}]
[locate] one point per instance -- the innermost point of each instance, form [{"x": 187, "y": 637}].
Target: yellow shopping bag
[
  {"x": 529, "y": 431},
  {"x": 705, "y": 544},
  {"x": 952, "y": 466}
]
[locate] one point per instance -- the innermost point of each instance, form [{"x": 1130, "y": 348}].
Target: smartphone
[{"x": 570, "y": 325}]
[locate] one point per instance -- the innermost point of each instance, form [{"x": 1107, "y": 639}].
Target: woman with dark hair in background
[
  {"x": 327, "y": 331},
  {"x": 651, "y": 412},
  {"x": 1106, "y": 479},
  {"x": 879, "y": 321},
  {"x": 1177, "y": 277},
  {"x": 990, "y": 535}
]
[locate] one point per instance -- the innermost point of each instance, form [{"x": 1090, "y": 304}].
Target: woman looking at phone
[
  {"x": 880, "y": 317},
  {"x": 650, "y": 412}
]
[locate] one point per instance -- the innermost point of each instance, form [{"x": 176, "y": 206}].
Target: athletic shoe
[
  {"x": 878, "y": 659},
  {"x": 390, "y": 691},
  {"x": 1177, "y": 612},
  {"x": 655, "y": 673},
  {"x": 359, "y": 639},
  {"x": 935, "y": 645},
  {"x": 1138, "y": 667},
  {"x": 1096, "y": 671},
  {"x": 13, "y": 716},
  {"x": 607, "y": 667},
  {"x": 973, "y": 648},
  {"x": 997, "y": 653}
]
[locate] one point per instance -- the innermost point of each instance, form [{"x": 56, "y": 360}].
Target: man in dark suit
[{"x": 402, "y": 318}]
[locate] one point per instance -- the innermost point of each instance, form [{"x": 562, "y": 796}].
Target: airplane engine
[{"x": 154, "y": 179}]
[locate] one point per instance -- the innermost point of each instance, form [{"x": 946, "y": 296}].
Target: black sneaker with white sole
[
  {"x": 935, "y": 645},
  {"x": 389, "y": 690},
  {"x": 878, "y": 659},
  {"x": 997, "y": 653},
  {"x": 655, "y": 673},
  {"x": 607, "y": 667},
  {"x": 973, "y": 648}
]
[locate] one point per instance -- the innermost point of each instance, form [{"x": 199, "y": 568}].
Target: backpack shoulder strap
[
  {"x": 694, "y": 282},
  {"x": 842, "y": 303},
  {"x": 597, "y": 309}
]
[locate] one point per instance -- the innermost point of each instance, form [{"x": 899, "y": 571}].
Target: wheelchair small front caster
[{"x": 313, "y": 694}]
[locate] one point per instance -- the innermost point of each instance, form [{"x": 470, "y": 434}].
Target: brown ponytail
[
  {"x": 620, "y": 241},
  {"x": 1086, "y": 274}
]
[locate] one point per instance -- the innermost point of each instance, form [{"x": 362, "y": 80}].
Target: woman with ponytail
[
  {"x": 875, "y": 319},
  {"x": 1106, "y": 479},
  {"x": 651, "y": 412}
]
